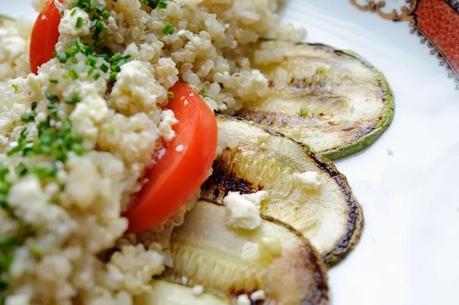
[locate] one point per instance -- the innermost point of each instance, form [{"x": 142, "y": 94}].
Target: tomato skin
[
  {"x": 45, "y": 35},
  {"x": 178, "y": 175}
]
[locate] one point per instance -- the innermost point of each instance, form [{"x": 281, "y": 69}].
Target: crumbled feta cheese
[
  {"x": 136, "y": 89},
  {"x": 243, "y": 299},
  {"x": 160, "y": 154},
  {"x": 258, "y": 295},
  {"x": 271, "y": 245},
  {"x": 40, "y": 117},
  {"x": 165, "y": 127},
  {"x": 250, "y": 251},
  {"x": 242, "y": 211},
  {"x": 309, "y": 179},
  {"x": 259, "y": 77},
  {"x": 30, "y": 203},
  {"x": 346, "y": 123},
  {"x": 83, "y": 177},
  {"x": 180, "y": 148},
  {"x": 89, "y": 113},
  {"x": 183, "y": 280},
  {"x": 256, "y": 198},
  {"x": 197, "y": 290},
  {"x": 75, "y": 22},
  {"x": 19, "y": 299}
]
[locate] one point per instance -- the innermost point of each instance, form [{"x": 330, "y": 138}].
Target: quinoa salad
[
  {"x": 77, "y": 137},
  {"x": 116, "y": 186}
]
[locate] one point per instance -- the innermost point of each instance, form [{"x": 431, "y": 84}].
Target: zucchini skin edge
[
  {"x": 355, "y": 221},
  {"x": 374, "y": 133}
]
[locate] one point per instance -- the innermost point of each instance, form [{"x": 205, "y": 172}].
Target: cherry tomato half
[
  {"x": 179, "y": 174},
  {"x": 45, "y": 35}
]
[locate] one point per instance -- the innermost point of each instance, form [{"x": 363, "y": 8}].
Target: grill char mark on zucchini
[
  {"x": 227, "y": 166},
  {"x": 322, "y": 128},
  {"x": 223, "y": 180}
]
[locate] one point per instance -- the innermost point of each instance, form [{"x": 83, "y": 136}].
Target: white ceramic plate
[{"x": 408, "y": 181}]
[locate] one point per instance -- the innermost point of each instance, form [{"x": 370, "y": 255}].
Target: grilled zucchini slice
[
  {"x": 331, "y": 100},
  {"x": 252, "y": 158},
  {"x": 274, "y": 258},
  {"x": 163, "y": 292}
]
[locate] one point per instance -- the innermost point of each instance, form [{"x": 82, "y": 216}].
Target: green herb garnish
[
  {"x": 72, "y": 74},
  {"x": 97, "y": 14},
  {"x": 304, "y": 113},
  {"x": 79, "y": 22},
  {"x": 160, "y": 4},
  {"x": 110, "y": 64},
  {"x": 28, "y": 117},
  {"x": 168, "y": 29},
  {"x": 73, "y": 99},
  {"x": 15, "y": 87},
  {"x": 21, "y": 169},
  {"x": 21, "y": 144},
  {"x": 51, "y": 97}
]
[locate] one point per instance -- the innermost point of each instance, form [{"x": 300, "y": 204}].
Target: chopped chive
[
  {"x": 51, "y": 97},
  {"x": 21, "y": 169},
  {"x": 104, "y": 68},
  {"x": 72, "y": 74},
  {"x": 99, "y": 26},
  {"x": 44, "y": 172},
  {"x": 22, "y": 141},
  {"x": 91, "y": 60},
  {"x": 113, "y": 76},
  {"x": 15, "y": 87},
  {"x": 7, "y": 241},
  {"x": 303, "y": 113},
  {"x": 79, "y": 22},
  {"x": 36, "y": 249},
  {"x": 78, "y": 149},
  {"x": 162, "y": 4},
  {"x": 73, "y": 99},
  {"x": 61, "y": 56},
  {"x": 52, "y": 109},
  {"x": 28, "y": 117},
  {"x": 150, "y": 3},
  {"x": 168, "y": 29}
]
